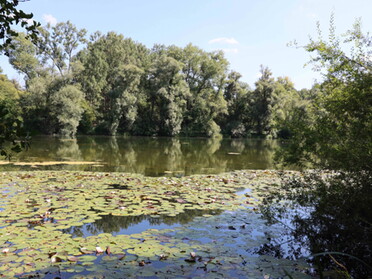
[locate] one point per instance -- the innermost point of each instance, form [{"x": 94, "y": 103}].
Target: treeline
[{"x": 113, "y": 85}]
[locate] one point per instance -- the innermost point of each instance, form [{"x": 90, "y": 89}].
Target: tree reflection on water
[
  {"x": 330, "y": 218},
  {"x": 152, "y": 156},
  {"x": 135, "y": 224}
]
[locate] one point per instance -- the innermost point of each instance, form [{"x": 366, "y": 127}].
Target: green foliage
[
  {"x": 130, "y": 89},
  {"x": 287, "y": 107},
  {"x": 66, "y": 107},
  {"x": 339, "y": 130},
  {"x": 10, "y": 15},
  {"x": 333, "y": 130},
  {"x": 236, "y": 93},
  {"x": 262, "y": 102},
  {"x": 204, "y": 72},
  {"x": 10, "y": 118},
  {"x": 10, "y": 112},
  {"x": 36, "y": 105},
  {"x": 111, "y": 75},
  {"x": 57, "y": 45},
  {"x": 23, "y": 57},
  {"x": 168, "y": 95},
  {"x": 53, "y": 103}
]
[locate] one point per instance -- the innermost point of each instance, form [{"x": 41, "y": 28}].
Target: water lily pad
[{"x": 45, "y": 213}]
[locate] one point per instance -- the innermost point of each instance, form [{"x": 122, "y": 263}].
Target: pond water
[
  {"x": 117, "y": 225},
  {"x": 116, "y": 209},
  {"x": 147, "y": 156},
  {"x": 56, "y": 223}
]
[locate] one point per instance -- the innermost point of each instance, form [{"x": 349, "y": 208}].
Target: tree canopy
[
  {"x": 109, "y": 84},
  {"x": 10, "y": 15},
  {"x": 337, "y": 131}
]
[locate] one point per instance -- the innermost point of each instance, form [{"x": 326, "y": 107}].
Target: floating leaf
[
  {"x": 62, "y": 205},
  {"x": 72, "y": 259}
]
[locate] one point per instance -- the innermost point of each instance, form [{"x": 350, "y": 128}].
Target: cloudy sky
[{"x": 250, "y": 32}]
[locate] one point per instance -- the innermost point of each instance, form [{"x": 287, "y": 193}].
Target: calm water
[
  {"x": 185, "y": 156},
  {"x": 150, "y": 156}
]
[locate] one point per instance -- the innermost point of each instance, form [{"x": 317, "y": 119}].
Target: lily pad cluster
[{"x": 36, "y": 208}]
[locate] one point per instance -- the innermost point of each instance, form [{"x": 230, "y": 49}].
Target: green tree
[
  {"x": 287, "y": 104},
  {"x": 205, "y": 74},
  {"x": 123, "y": 98},
  {"x": 169, "y": 93},
  {"x": 262, "y": 102},
  {"x": 111, "y": 75},
  {"x": 10, "y": 118},
  {"x": 10, "y": 15},
  {"x": 66, "y": 107},
  {"x": 339, "y": 135},
  {"x": 53, "y": 103},
  {"x": 57, "y": 46},
  {"x": 237, "y": 122},
  {"x": 333, "y": 133},
  {"x": 23, "y": 56},
  {"x": 36, "y": 106}
]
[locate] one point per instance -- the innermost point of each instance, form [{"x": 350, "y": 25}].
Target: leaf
[
  {"x": 84, "y": 250},
  {"x": 87, "y": 258},
  {"x": 72, "y": 259},
  {"x": 120, "y": 256}
]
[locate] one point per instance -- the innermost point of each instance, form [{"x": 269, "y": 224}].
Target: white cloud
[
  {"x": 50, "y": 19},
  {"x": 230, "y": 50},
  {"x": 224, "y": 40}
]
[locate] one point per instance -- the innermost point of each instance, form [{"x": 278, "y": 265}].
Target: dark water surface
[
  {"x": 148, "y": 156},
  {"x": 136, "y": 224}
]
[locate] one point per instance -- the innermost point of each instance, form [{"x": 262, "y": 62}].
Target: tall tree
[
  {"x": 67, "y": 109},
  {"x": 340, "y": 132},
  {"x": 236, "y": 93},
  {"x": 262, "y": 102},
  {"x": 111, "y": 75},
  {"x": 287, "y": 103},
  {"x": 49, "y": 78},
  {"x": 205, "y": 73},
  {"x": 10, "y": 118},
  {"x": 58, "y": 44},
  {"x": 334, "y": 133},
  {"x": 171, "y": 92},
  {"x": 23, "y": 56}
]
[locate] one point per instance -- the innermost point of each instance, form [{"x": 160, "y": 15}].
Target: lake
[
  {"x": 147, "y": 156},
  {"x": 146, "y": 201}
]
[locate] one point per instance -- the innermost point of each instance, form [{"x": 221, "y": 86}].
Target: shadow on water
[
  {"x": 328, "y": 219},
  {"x": 149, "y": 156},
  {"x": 116, "y": 225}
]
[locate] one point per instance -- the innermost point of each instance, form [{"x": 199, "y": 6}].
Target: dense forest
[{"x": 112, "y": 85}]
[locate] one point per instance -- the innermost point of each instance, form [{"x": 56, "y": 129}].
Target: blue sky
[{"x": 251, "y": 32}]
